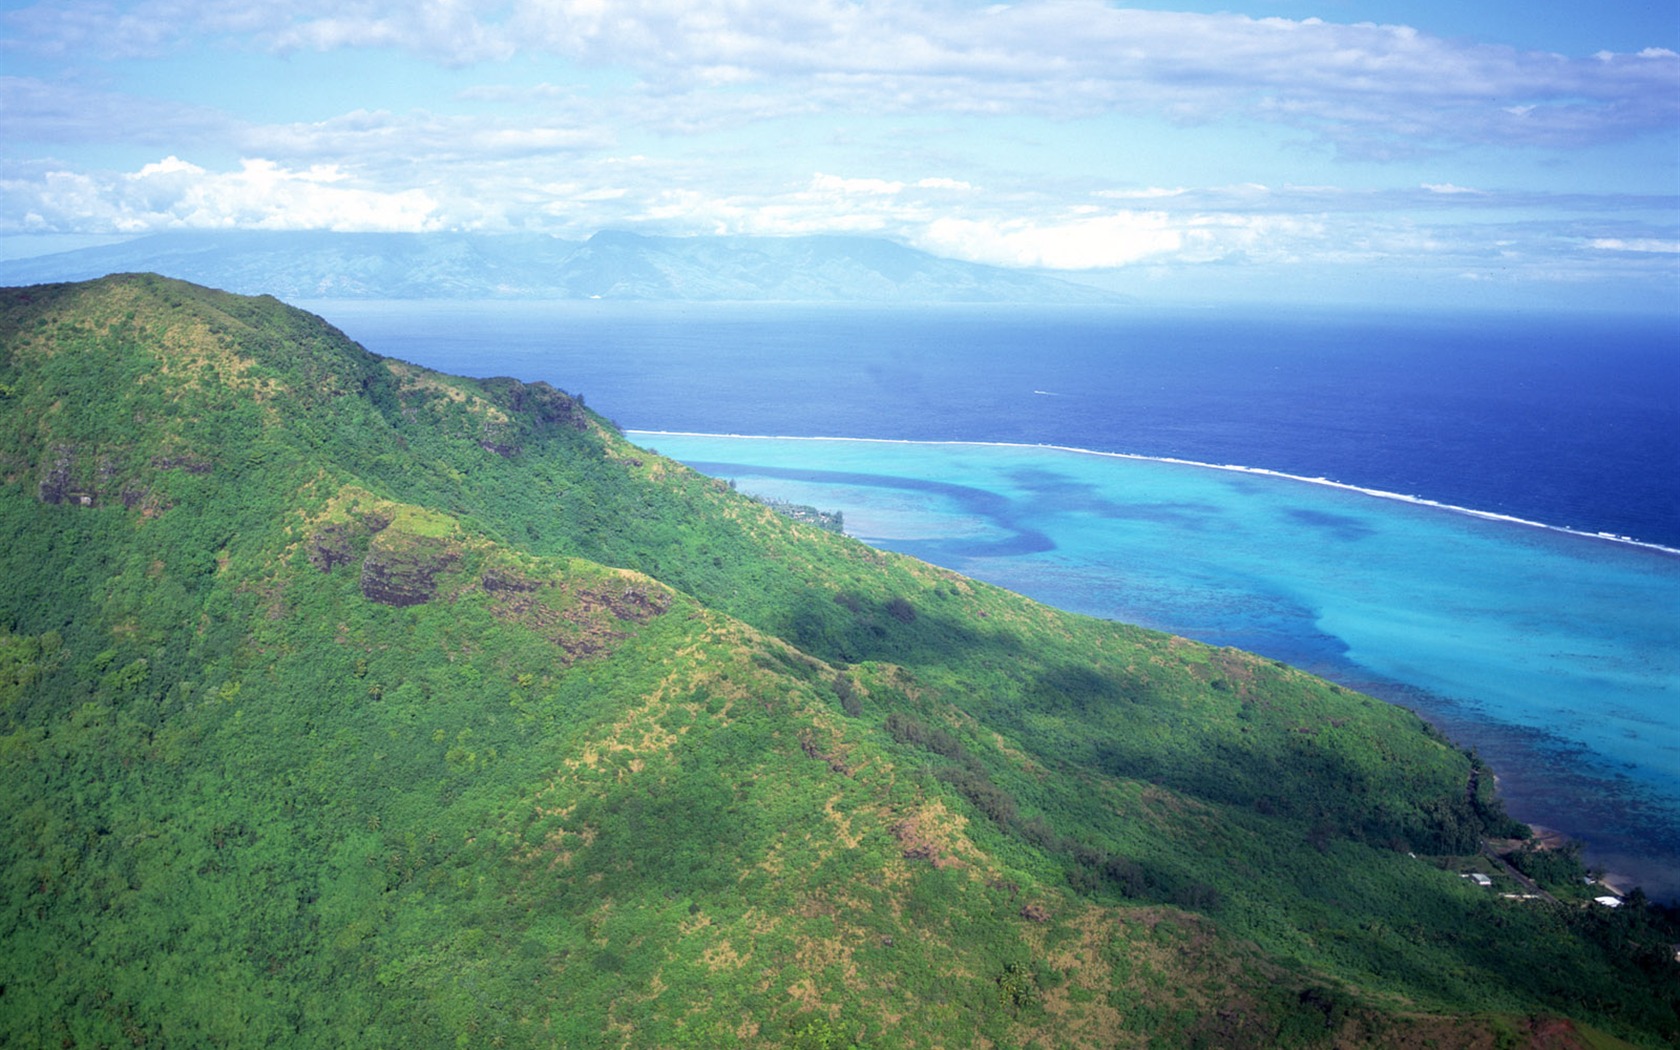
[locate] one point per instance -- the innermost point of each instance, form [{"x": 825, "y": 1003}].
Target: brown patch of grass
[
  {"x": 723, "y": 956},
  {"x": 414, "y": 379},
  {"x": 747, "y": 1029},
  {"x": 804, "y": 992},
  {"x": 933, "y": 833},
  {"x": 842, "y": 823},
  {"x": 1022, "y": 760}
]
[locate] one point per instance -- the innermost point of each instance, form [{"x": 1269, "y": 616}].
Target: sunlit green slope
[{"x": 343, "y": 703}]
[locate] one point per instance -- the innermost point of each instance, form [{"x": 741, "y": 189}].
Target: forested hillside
[{"x": 344, "y": 703}]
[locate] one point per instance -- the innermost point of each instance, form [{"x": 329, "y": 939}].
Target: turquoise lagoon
[{"x": 1557, "y": 655}]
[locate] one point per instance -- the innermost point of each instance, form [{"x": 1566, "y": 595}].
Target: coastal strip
[{"x": 1418, "y": 501}]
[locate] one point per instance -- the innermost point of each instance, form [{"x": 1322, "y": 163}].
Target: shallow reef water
[{"x": 1555, "y": 654}]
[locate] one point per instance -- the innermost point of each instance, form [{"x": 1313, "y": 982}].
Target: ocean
[{"x": 1069, "y": 454}]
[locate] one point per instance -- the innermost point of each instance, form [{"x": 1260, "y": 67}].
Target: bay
[{"x": 1552, "y": 653}]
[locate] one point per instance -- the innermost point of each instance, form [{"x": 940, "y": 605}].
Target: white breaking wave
[{"x": 1419, "y": 501}]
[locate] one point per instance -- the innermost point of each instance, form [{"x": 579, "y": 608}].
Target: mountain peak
[{"x": 621, "y": 237}]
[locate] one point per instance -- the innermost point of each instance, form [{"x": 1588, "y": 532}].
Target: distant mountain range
[{"x": 609, "y": 265}]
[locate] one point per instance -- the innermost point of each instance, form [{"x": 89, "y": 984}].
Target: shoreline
[
  {"x": 1398, "y": 497},
  {"x": 1545, "y": 838}
]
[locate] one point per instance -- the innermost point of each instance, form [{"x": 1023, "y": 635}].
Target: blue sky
[{"x": 1423, "y": 153}]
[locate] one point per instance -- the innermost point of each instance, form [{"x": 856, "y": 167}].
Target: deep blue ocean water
[
  {"x": 1571, "y": 421},
  {"x": 1557, "y": 655}
]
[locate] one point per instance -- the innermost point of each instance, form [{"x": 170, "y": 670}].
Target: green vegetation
[{"x": 343, "y": 703}]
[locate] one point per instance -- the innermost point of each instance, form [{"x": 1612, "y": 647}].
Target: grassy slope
[{"x": 360, "y": 704}]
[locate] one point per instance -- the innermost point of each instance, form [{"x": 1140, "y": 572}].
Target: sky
[{"x": 1428, "y": 152}]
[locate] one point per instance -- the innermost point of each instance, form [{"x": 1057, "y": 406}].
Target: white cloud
[
  {"x": 1374, "y": 90},
  {"x": 377, "y": 137},
  {"x": 263, "y": 195},
  {"x": 943, "y": 184},
  {"x": 834, "y": 184},
  {"x": 452, "y": 31},
  {"x": 170, "y": 165},
  {"x": 175, "y": 194},
  {"x": 1144, "y": 194},
  {"x": 1650, "y": 245},
  {"x": 46, "y": 111},
  {"x": 614, "y": 127},
  {"x": 1095, "y": 242}
]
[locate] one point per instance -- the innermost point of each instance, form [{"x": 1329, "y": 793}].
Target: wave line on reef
[{"x": 1417, "y": 501}]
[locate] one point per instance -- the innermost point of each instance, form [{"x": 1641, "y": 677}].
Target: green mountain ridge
[{"x": 347, "y": 703}]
